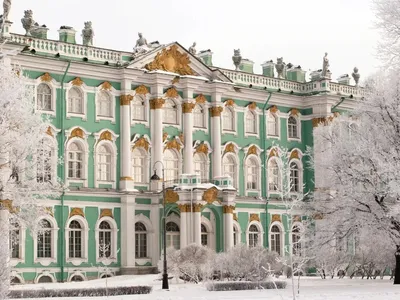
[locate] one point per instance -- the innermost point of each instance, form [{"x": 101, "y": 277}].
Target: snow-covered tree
[{"x": 358, "y": 156}]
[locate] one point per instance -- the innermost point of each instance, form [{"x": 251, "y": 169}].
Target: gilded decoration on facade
[
  {"x": 171, "y": 93},
  {"x": 141, "y": 143},
  {"x": 7, "y": 204},
  {"x": 228, "y": 209},
  {"x": 182, "y": 137},
  {"x": 157, "y": 103},
  {"x": 318, "y": 216},
  {"x": 106, "y": 135},
  {"x": 77, "y": 132},
  {"x": 230, "y": 148},
  {"x": 229, "y": 102},
  {"x": 273, "y": 152},
  {"x": 201, "y": 99},
  {"x": 296, "y": 218},
  {"x": 202, "y": 148},
  {"x": 141, "y": 90},
  {"x": 171, "y": 196},
  {"x": 171, "y": 60},
  {"x": 49, "y": 131},
  {"x": 164, "y": 136},
  {"x": 106, "y": 86},
  {"x": 254, "y": 217},
  {"x": 216, "y": 111},
  {"x": 173, "y": 144},
  {"x": 210, "y": 195},
  {"x": 184, "y": 207},
  {"x": 252, "y": 150},
  {"x": 125, "y": 178},
  {"x": 324, "y": 121},
  {"x": 197, "y": 207},
  {"x": 77, "y": 81},
  {"x": 76, "y": 211},
  {"x": 106, "y": 212},
  {"x": 276, "y": 218},
  {"x": 294, "y": 154},
  {"x": 49, "y": 211},
  {"x": 235, "y": 217},
  {"x": 294, "y": 112},
  {"x": 125, "y": 99},
  {"x": 175, "y": 80},
  {"x": 252, "y": 106},
  {"x": 273, "y": 109},
  {"x": 187, "y": 107},
  {"x": 46, "y": 77}
]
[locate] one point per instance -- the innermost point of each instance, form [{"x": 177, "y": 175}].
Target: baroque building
[{"x": 218, "y": 133}]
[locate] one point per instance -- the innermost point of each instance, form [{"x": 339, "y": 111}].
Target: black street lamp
[{"x": 165, "y": 273}]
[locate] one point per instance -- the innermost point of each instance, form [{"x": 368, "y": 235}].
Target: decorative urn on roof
[{"x": 237, "y": 58}]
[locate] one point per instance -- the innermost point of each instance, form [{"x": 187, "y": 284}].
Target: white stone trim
[
  {"x": 149, "y": 239},
  {"x": 84, "y": 240},
  {"x": 210, "y": 226},
  {"x": 22, "y": 246},
  {"x": 298, "y": 121},
  {"x": 269, "y": 114},
  {"x": 46, "y": 261},
  {"x": 205, "y": 106},
  {"x": 259, "y": 164},
  {"x": 17, "y": 274},
  {"x": 77, "y": 273},
  {"x": 44, "y": 274},
  {"x": 114, "y": 238},
  {"x": 146, "y": 108},
  {"x": 113, "y": 93},
  {"x": 178, "y": 102},
  {"x": 256, "y": 112},
  {"x": 234, "y": 111},
  {"x": 54, "y": 85},
  {"x": 239, "y": 231},
  {"x": 84, "y": 90},
  {"x": 260, "y": 233},
  {"x": 282, "y": 238}
]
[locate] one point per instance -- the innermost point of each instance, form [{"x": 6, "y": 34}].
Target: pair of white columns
[{"x": 190, "y": 224}]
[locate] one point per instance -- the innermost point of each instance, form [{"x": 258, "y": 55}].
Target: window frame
[
  {"x": 300, "y": 242},
  {"x": 99, "y": 100},
  {"x": 279, "y": 175},
  {"x": 235, "y": 180},
  {"x": 255, "y": 114},
  {"x": 204, "y": 164},
  {"x": 233, "y": 111},
  {"x": 113, "y": 258},
  {"x": 176, "y": 109},
  {"x": 297, "y": 128},
  {"x": 277, "y": 118},
  {"x": 171, "y": 234},
  {"x": 144, "y": 155},
  {"x": 21, "y": 228},
  {"x": 53, "y": 85},
  {"x": 178, "y": 169},
  {"x": 46, "y": 261},
  {"x": 260, "y": 233},
  {"x": 83, "y": 91},
  {"x": 113, "y": 94},
  {"x": 138, "y": 235},
  {"x": 144, "y": 99},
  {"x": 257, "y": 160},
  {"x": 281, "y": 237},
  {"x": 76, "y": 261}
]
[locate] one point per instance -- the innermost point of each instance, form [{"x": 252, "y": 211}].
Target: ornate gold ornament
[
  {"x": 230, "y": 148},
  {"x": 296, "y": 218},
  {"x": 173, "y": 144},
  {"x": 49, "y": 131},
  {"x": 106, "y": 135},
  {"x": 252, "y": 150},
  {"x": 216, "y": 111},
  {"x": 235, "y": 217},
  {"x": 197, "y": 207},
  {"x": 318, "y": 216},
  {"x": 202, "y": 148},
  {"x": 164, "y": 136},
  {"x": 125, "y": 99},
  {"x": 210, "y": 195},
  {"x": 106, "y": 86},
  {"x": 273, "y": 109},
  {"x": 184, "y": 208},
  {"x": 273, "y": 152},
  {"x": 49, "y": 210},
  {"x": 46, "y": 77},
  {"x": 252, "y": 106},
  {"x": 106, "y": 212},
  {"x": 76, "y": 211},
  {"x": 229, "y": 102},
  {"x": 7, "y": 204},
  {"x": 276, "y": 218},
  {"x": 171, "y": 196},
  {"x": 187, "y": 107},
  {"x": 228, "y": 209},
  {"x": 77, "y": 81},
  {"x": 141, "y": 143},
  {"x": 157, "y": 103},
  {"x": 141, "y": 90},
  {"x": 201, "y": 99},
  {"x": 125, "y": 178},
  {"x": 294, "y": 112},
  {"x": 294, "y": 154},
  {"x": 319, "y": 121},
  {"x": 77, "y": 132},
  {"x": 175, "y": 80},
  {"x": 171, "y": 60},
  {"x": 171, "y": 93},
  {"x": 254, "y": 217}
]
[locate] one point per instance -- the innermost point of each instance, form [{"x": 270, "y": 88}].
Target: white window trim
[
  {"x": 257, "y": 113},
  {"x": 20, "y": 277},
  {"x": 84, "y": 240},
  {"x": 146, "y": 111},
  {"x": 239, "y": 232},
  {"x": 233, "y": 108},
  {"x": 282, "y": 233},
  {"x": 257, "y": 158},
  {"x": 45, "y": 273},
  {"x": 177, "y": 220},
  {"x": 113, "y": 93},
  {"x": 147, "y": 166},
  {"x": 54, "y": 85},
  {"x": 85, "y": 146},
  {"x": 301, "y": 226},
  {"x": 260, "y": 233},
  {"x": 180, "y": 159},
  {"x": 298, "y": 120},
  {"x": 84, "y": 89},
  {"x": 46, "y": 261},
  {"x": 178, "y": 103},
  {"x": 300, "y": 167},
  {"x": 207, "y": 165},
  {"x": 114, "y": 236},
  {"x": 280, "y": 175},
  {"x": 114, "y": 153},
  {"x": 54, "y": 148},
  {"x": 237, "y": 161},
  {"x": 278, "y": 116},
  {"x": 210, "y": 225},
  {"x": 77, "y": 273},
  {"x": 205, "y": 107},
  {"x": 149, "y": 240},
  {"x": 21, "y": 241}
]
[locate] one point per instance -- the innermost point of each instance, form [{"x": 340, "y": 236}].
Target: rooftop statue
[
  {"x": 28, "y": 22},
  {"x": 6, "y": 9},
  {"x": 141, "y": 41},
  {"x": 280, "y": 66},
  {"x": 356, "y": 75},
  {"x": 192, "y": 49},
  {"x": 325, "y": 65},
  {"x": 237, "y": 58},
  {"x": 88, "y": 34}
]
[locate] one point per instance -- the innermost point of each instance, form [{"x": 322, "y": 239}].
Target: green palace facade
[{"x": 217, "y": 133}]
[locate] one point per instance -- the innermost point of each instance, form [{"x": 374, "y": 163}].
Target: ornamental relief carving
[
  {"x": 254, "y": 217},
  {"x": 171, "y": 93},
  {"x": 46, "y": 77},
  {"x": 77, "y": 81},
  {"x": 228, "y": 209},
  {"x": 276, "y": 218},
  {"x": 229, "y": 102},
  {"x": 141, "y": 90},
  {"x": 49, "y": 131},
  {"x": 294, "y": 154},
  {"x": 125, "y": 99},
  {"x": 141, "y": 143},
  {"x": 210, "y": 195},
  {"x": 202, "y": 148},
  {"x": 252, "y": 150},
  {"x": 201, "y": 99},
  {"x": 252, "y": 106},
  {"x": 216, "y": 111},
  {"x": 294, "y": 112},
  {"x": 106, "y": 86},
  {"x": 77, "y": 132},
  {"x": 105, "y": 135},
  {"x": 187, "y": 107},
  {"x": 197, "y": 207},
  {"x": 273, "y": 152},
  {"x": 173, "y": 144},
  {"x": 230, "y": 148},
  {"x": 76, "y": 211},
  {"x": 157, "y": 103},
  {"x": 106, "y": 212},
  {"x": 171, "y": 196},
  {"x": 273, "y": 109},
  {"x": 8, "y": 204}
]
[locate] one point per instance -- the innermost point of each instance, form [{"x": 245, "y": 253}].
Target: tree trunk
[{"x": 397, "y": 270}]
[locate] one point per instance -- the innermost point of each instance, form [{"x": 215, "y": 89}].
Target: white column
[
  {"x": 157, "y": 138},
  {"x": 216, "y": 140},
  {"x": 228, "y": 227},
  {"x": 184, "y": 225},
  {"x": 154, "y": 245},
  {"x": 4, "y": 240},
  {"x": 187, "y": 108},
  {"x": 197, "y": 223},
  {"x": 127, "y": 232}
]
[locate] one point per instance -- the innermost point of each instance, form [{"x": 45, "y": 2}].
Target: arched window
[
  {"x": 139, "y": 165},
  {"x": 252, "y": 173},
  {"x": 296, "y": 241},
  {"x": 273, "y": 124},
  {"x": 276, "y": 239},
  {"x": 170, "y": 112},
  {"x": 294, "y": 177},
  {"x": 104, "y": 163},
  {"x": 171, "y": 163},
  {"x": 204, "y": 235},
  {"x": 75, "y": 101},
  {"x": 292, "y": 128},
  {"x": 105, "y": 239},
  {"x": 201, "y": 165},
  {"x": 44, "y": 97},
  {"x": 236, "y": 234},
  {"x": 104, "y": 104},
  {"x": 14, "y": 239},
  {"x": 140, "y": 240},
  {"x": 138, "y": 108},
  {"x": 45, "y": 279},
  {"x": 75, "y": 161},
  {"x": 77, "y": 278},
  {"x": 75, "y": 240},
  {"x": 251, "y": 122},
  {"x": 15, "y": 280},
  {"x": 44, "y": 240},
  {"x": 44, "y": 168},
  {"x": 173, "y": 235},
  {"x": 254, "y": 236},
  {"x": 228, "y": 121},
  {"x": 198, "y": 116},
  {"x": 229, "y": 168},
  {"x": 273, "y": 176}
]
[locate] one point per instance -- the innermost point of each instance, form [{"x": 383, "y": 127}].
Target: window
[
  {"x": 292, "y": 128},
  {"x": 104, "y": 163},
  {"x": 252, "y": 174},
  {"x": 276, "y": 239},
  {"x": 251, "y": 122},
  {"x": 173, "y": 236},
  {"x": 138, "y": 109},
  {"x": 44, "y": 97},
  {"x": 273, "y": 125},
  {"x": 253, "y": 236},
  {"x": 45, "y": 279},
  {"x": 294, "y": 177},
  {"x": 229, "y": 168},
  {"x": 75, "y": 101},
  {"x": 198, "y": 116},
  {"x": 140, "y": 240},
  {"x": 104, "y": 105},
  {"x": 200, "y": 165},
  {"x": 75, "y": 161},
  {"x": 170, "y": 112},
  {"x": 44, "y": 240},
  {"x": 14, "y": 239},
  {"x": 171, "y": 166},
  {"x": 77, "y": 278},
  {"x": 273, "y": 176},
  {"x": 235, "y": 236},
  {"x": 204, "y": 235},
  {"x": 296, "y": 241},
  {"x": 75, "y": 240},
  {"x": 44, "y": 162},
  {"x": 228, "y": 119},
  {"x": 105, "y": 240},
  {"x": 15, "y": 280},
  {"x": 139, "y": 165}
]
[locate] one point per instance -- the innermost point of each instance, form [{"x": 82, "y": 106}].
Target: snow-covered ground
[{"x": 310, "y": 289}]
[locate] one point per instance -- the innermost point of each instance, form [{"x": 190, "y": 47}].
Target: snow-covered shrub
[{"x": 245, "y": 285}]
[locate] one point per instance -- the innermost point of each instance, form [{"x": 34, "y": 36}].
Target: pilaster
[
  {"x": 187, "y": 109},
  {"x": 156, "y": 105},
  {"x": 127, "y": 232},
  {"x": 228, "y": 226},
  {"x": 197, "y": 223},
  {"x": 184, "y": 208},
  {"x": 215, "y": 113}
]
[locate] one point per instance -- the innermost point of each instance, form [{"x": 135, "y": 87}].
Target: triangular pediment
[{"x": 173, "y": 58}]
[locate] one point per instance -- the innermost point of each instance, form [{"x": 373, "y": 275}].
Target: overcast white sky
[{"x": 299, "y": 30}]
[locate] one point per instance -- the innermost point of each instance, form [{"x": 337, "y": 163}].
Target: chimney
[
  {"x": 344, "y": 79},
  {"x": 67, "y": 34},
  {"x": 39, "y": 31},
  {"x": 206, "y": 57},
  {"x": 295, "y": 73},
  {"x": 246, "y": 65},
  {"x": 268, "y": 68}
]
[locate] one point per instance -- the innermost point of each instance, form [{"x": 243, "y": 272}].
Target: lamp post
[{"x": 165, "y": 273}]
